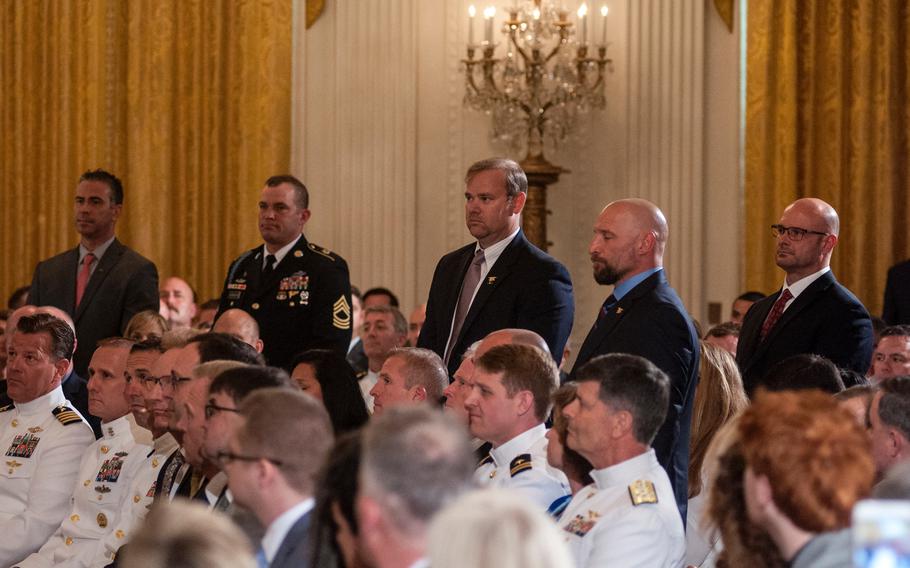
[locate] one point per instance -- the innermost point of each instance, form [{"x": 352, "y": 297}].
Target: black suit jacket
[
  {"x": 651, "y": 321},
  {"x": 294, "y": 551},
  {"x": 897, "y": 295},
  {"x": 304, "y": 304},
  {"x": 526, "y": 288},
  {"x": 123, "y": 284},
  {"x": 826, "y": 319},
  {"x": 75, "y": 389}
]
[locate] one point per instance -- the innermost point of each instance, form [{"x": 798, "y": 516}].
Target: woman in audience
[
  {"x": 334, "y": 528},
  {"x": 145, "y": 325},
  {"x": 328, "y": 377},
  {"x": 719, "y": 397},
  {"x": 494, "y": 528},
  {"x": 560, "y": 456},
  {"x": 185, "y": 534}
]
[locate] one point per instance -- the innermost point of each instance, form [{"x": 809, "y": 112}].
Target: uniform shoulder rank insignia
[
  {"x": 341, "y": 313},
  {"x": 361, "y": 374},
  {"x": 485, "y": 460},
  {"x": 642, "y": 491},
  {"x": 321, "y": 250},
  {"x": 7, "y": 407},
  {"x": 66, "y": 415},
  {"x": 519, "y": 464}
]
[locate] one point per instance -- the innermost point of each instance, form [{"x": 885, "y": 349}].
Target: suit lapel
[
  {"x": 105, "y": 266},
  {"x": 752, "y": 336},
  {"x": 498, "y": 272},
  {"x": 296, "y": 537},
  {"x": 69, "y": 281},
  {"x": 600, "y": 331},
  {"x": 799, "y": 304},
  {"x": 450, "y": 301}
]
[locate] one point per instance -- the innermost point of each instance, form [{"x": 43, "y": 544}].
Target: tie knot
[
  {"x": 270, "y": 260},
  {"x": 88, "y": 258},
  {"x": 478, "y": 256},
  {"x": 785, "y": 296}
]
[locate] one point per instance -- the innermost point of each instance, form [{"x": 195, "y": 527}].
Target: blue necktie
[{"x": 605, "y": 309}]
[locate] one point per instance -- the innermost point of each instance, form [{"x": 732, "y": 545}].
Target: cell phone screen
[{"x": 881, "y": 534}]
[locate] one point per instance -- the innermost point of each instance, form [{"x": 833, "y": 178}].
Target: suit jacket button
[{"x": 255, "y": 306}]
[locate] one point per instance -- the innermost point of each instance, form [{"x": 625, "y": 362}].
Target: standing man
[
  {"x": 102, "y": 283},
  {"x": 178, "y": 302},
  {"x": 299, "y": 293},
  {"x": 499, "y": 281},
  {"x": 627, "y": 517},
  {"x": 42, "y": 439},
  {"x": 644, "y": 316},
  {"x": 812, "y": 312},
  {"x": 897, "y": 294}
]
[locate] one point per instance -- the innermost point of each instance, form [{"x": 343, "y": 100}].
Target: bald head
[
  {"x": 511, "y": 336},
  {"x": 241, "y": 325},
  {"x": 820, "y": 212},
  {"x": 630, "y": 236}
]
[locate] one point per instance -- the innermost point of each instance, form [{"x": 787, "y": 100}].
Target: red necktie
[
  {"x": 82, "y": 278},
  {"x": 776, "y": 311}
]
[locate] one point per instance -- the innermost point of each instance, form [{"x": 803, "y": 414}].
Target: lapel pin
[
  {"x": 618, "y": 311},
  {"x": 491, "y": 279},
  {"x": 298, "y": 254}
]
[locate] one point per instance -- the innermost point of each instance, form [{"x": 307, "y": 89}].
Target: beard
[{"x": 607, "y": 275}]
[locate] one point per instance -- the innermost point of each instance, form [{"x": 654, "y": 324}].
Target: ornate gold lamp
[{"x": 548, "y": 75}]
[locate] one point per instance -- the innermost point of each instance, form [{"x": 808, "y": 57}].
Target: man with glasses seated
[
  {"x": 273, "y": 475},
  {"x": 812, "y": 312}
]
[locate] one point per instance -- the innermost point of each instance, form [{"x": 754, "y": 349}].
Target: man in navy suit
[
  {"x": 101, "y": 283},
  {"x": 645, "y": 317},
  {"x": 812, "y": 312},
  {"x": 897, "y": 295},
  {"x": 502, "y": 280},
  {"x": 271, "y": 462}
]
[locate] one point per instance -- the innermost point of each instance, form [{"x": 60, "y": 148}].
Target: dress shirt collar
[
  {"x": 800, "y": 285},
  {"x": 504, "y": 454},
  {"x": 491, "y": 253},
  {"x": 621, "y": 473},
  {"x": 281, "y": 526},
  {"x": 626, "y": 286},
  {"x": 43, "y": 403},
  {"x": 421, "y": 563},
  {"x": 280, "y": 253},
  {"x": 215, "y": 486},
  {"x": 119, "y": 428},
  {"x": 98, "y": 252}
]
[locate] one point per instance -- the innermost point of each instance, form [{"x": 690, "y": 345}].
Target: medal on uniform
[{"x": 23, "y": 446}]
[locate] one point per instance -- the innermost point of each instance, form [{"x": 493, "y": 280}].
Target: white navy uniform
[
  {"x": 42, "y": 442},
  {"x": 627, "y": 517},
  {"x": 521, "y": 464},
  {"x": 139, "y": 497},
  {"x": 107, "y": 469}
]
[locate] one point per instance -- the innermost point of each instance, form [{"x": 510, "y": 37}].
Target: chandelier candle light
[{"x": 535, "y": 92}]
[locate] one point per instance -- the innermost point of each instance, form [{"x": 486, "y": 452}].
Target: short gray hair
[
  {"x": 516, "y": 180},
  {"x": 425, "y": 368},
  {"x": 399, "y": 322},
  {"x": 415, "y": 461}
]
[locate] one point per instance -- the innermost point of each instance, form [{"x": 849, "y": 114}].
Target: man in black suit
[
  {"x": 645, "y": 317},
  {"x": 502, "y": 280},
  {"x": 271, "y": 464},
  {"x": 897, "y": 295},
  {"x": 101, "y": 283},
  {"x": 812, "y": 312},
  {"x": 299, "y": 293}
]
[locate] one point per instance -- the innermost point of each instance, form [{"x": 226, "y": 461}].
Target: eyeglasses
[
  {"x": 212, "y": 409},
  {"x": 795, "y": 233},
  {"x": 171, "y": 380},
  {"x": 225, "y": 458}
]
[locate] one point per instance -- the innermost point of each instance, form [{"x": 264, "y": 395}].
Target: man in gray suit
[
  {"x": 273, "y": 456},
  {"x": 101, "y": 283}
]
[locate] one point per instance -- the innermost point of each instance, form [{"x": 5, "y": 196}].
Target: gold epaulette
[
  {"x": 519, "y": 464},
  {"x": 66, "y": 415},
  {"x": 321, "y": 250},
  {"x": 642, "y": 491},
  {"x": 7, "y": 407}
]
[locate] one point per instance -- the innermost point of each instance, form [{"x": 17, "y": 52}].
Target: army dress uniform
[
  {"x": 105, "y": 474},
  {"x": 304, "y": 302},
  {"x": 139, "y": 497},
  {"x": 521, "y": 464},
  {"x": 42, "y": 442},
  {"x": 627, "y": 517}
]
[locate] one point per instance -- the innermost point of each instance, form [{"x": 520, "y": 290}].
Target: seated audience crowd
[{"x": 295, "y": 422}]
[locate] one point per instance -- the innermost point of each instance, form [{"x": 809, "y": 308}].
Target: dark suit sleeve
[
  {"x": 141, "y": 293},
  {"x": 548, "y": 309},
  {"x": 889, "y": 312},
  {"x": 430, "y": 334},
  {"x": 848, "y": 339},
  {"x": 223, "y": 303},
  {"x": 34, "y": 297},
  {"x": 328, "y": 331}
]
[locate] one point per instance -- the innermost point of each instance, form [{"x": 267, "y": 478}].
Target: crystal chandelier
[{"x": 547, "y": 77}]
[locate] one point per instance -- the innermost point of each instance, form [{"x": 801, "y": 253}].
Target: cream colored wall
[{"x": 382, "y": 140}]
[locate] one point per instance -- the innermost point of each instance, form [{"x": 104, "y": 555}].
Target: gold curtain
[
  {"x": 187, "y": 101},
  {"x": 828, "y": 115}
]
